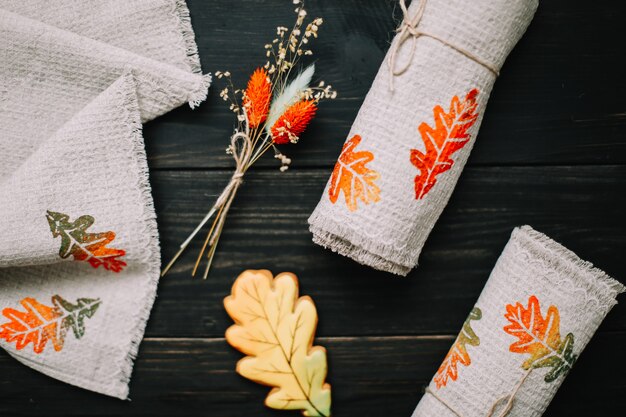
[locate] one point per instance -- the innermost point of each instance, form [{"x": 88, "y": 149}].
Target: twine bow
[
  {"x": 241, "y": 147},
  {"x": 409, "y": 29},
  {"x": 509, "y": 398}
]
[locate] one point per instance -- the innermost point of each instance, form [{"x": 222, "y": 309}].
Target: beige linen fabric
[
  {"x": 531, "y": 265},
  {"x": 77, "y": 79},
  {"x": 389, "y": 234}
]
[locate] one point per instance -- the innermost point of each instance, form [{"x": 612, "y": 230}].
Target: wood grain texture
[
  {"x": 559, "y": 98},
  {"x": 370, "y": 377},
  {"x": 551, "y": 153},
  {"x": 267, "y": 229}
]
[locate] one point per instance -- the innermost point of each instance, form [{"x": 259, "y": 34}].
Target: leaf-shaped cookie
[
  {"x": 353, "y": 177},
  {"x": 458, "y": 352},
  {"x": 540, "y": 337},
  {"x": 449, "y": 135},
  {"x": 40, "y": 323},
  {"x": 275, "y": 329}
]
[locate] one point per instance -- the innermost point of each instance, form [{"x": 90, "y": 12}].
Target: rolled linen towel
[
  {"x": 537, "y": 312},
  {"x": 415, "y": 130}
]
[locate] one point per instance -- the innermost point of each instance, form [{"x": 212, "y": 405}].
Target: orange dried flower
[
  {"x": 258, "y": 97},
  {"x": 293, "y": 122}
]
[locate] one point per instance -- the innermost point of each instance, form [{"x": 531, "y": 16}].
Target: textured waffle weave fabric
[
  {"x": 408, "y": 146},
  {"x": 539, "y": 309},
  {"x": 79, "y": 254}
]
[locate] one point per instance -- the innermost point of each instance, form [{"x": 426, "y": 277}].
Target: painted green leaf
[
  {"x": 76, "y": 241},
  {"x": 458, "y": 352},
  {"x": 74, "y": 315}
]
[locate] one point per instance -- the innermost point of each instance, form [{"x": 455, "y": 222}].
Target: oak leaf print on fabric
[
  {"x": 39, "y": 323},
  {"x": 449, "y": 135},
  {"x": 458, "y": 354},
  {"x": 352, "y": 176},
  {"x": 85, "y": 246},
  {"x": 276, "y": 329},
  {"x": 540, "y": 337}
]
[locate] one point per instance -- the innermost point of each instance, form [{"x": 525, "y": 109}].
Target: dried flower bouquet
[{"x": 274, "y": 109}]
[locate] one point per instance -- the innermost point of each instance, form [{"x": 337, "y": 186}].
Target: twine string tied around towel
[
  {"x": 409, "y": 29},
  {"x": 509, "y": 398}
]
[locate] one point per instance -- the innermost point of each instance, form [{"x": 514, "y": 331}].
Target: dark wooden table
[{"x": 551, "y": 153}]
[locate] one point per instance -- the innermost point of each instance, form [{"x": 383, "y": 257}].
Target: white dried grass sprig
[{"x": 289, "y": 96}]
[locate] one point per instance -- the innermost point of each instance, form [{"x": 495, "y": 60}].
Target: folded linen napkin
[
  {"x": 539, "y": 309},
  {"x": 415, "y": 130},
  {"x": 79, "y": 254}
]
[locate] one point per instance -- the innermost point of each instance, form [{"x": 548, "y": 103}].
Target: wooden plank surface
[
  {"x": 560, "y": 98},
  {"x": 267, "y": 229},
  {"x": 551, "y": 153},
  {"x": 370, "y": 377}
]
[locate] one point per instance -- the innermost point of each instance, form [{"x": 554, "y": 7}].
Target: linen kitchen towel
[
  {"x": 79, "y": 249},
  {"x": 539, "y": 309},
  {"x": 416, "y": 128}
]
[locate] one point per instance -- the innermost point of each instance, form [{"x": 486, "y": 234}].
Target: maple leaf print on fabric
[
  {"x": 540, "y": 337},
  {"x": 38, "y": 323},
  {"x": 353, "y": 177},
  {"x": 449, "y": 135},
  {"x": 85, "y": 246},
  {"x": 458, "y": 354}
]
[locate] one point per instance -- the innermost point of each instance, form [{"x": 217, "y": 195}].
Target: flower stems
[{"x": 274, "y": 109}]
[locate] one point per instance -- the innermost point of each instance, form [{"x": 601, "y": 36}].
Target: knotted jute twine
[
  {"x": 409, "y": 29},
  {"x": 241, "y": 148},
  {"x": 509, "y": 398}
]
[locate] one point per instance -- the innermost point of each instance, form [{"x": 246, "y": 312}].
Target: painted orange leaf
[
  {"x": 276, "y": 329},
  {"x": 353, "y": 177},
  {"x": 540, "y": 336},
  {"x": 458, "y": 353},
  {"x": 40, "y": 323},
  {"x": 85, "y": 246},
  {"x": 449, "y": 135},
  {"x": 258, "y": 97}
]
